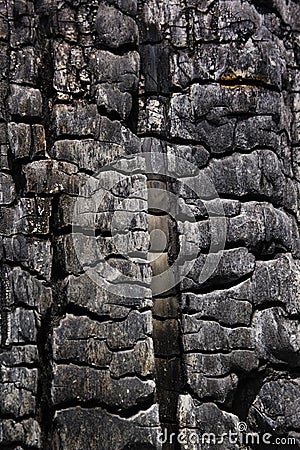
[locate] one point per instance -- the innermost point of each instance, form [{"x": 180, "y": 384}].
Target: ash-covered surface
[{"x": 84, "y": 83}]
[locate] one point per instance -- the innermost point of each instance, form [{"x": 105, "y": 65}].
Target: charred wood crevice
[{"x": 166, "y": 313}]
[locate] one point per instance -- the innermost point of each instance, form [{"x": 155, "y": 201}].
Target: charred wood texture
[{"x": 83, "y": 84}]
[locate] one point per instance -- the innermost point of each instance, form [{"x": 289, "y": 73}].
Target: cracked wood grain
[{"x": 82, "y": 84}]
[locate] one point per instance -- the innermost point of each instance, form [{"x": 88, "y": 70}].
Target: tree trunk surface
[{"x": 149, "y": 215}]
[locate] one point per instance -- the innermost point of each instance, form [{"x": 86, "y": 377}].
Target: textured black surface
[{"x": 86, "y": 82}]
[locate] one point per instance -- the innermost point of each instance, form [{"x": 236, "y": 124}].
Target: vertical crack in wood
[{"x": 166, "y": 316}]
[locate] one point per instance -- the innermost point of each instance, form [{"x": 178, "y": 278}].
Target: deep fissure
[{"x": 165, "y": 317}]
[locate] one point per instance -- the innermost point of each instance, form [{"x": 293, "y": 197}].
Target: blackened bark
[{"x": 83, "y": 84}]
